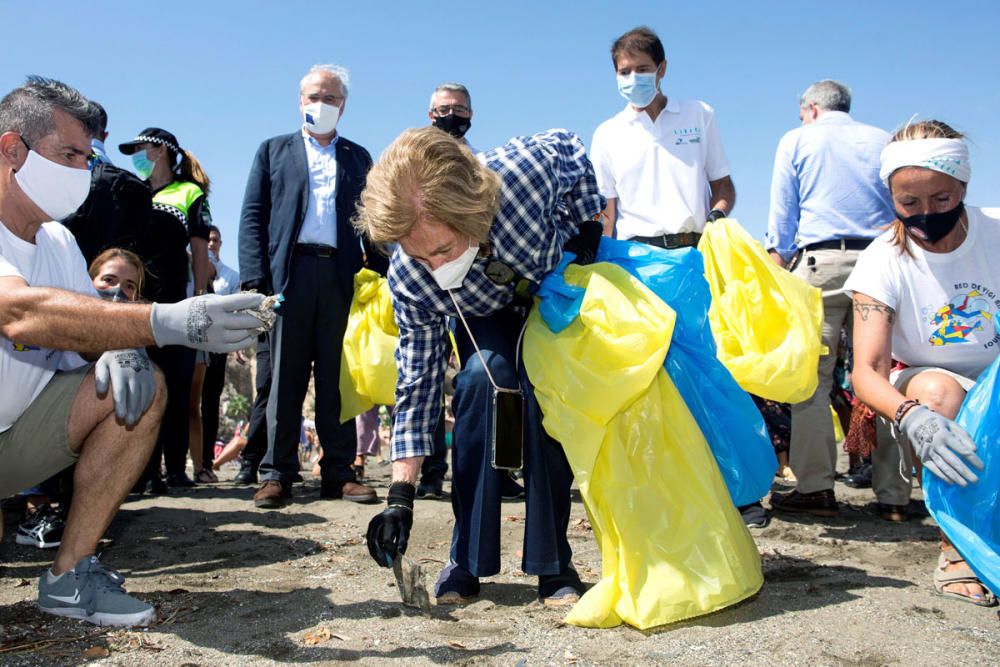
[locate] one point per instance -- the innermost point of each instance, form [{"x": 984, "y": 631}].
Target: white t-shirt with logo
[
  {"x": 659, "y": 171},
  {"x": 945, "y": 303},
  {"x": 54, "y": 260}
]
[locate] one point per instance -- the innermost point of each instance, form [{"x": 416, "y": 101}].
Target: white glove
[
  {"x": 207, "y": 322},
  {"x": 939, "y": 442},
  {"x": 133, "y": 384}
]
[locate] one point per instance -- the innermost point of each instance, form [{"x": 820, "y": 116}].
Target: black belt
[
  {"x": 315, "y": 249},
  {"x": 670, "y": 241},
  {"x": 840, "y": 244}
]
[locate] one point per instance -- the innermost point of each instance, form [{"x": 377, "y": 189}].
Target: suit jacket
[{"x": 274, "y": 207}]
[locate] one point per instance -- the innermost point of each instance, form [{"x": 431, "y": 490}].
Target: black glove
[
  {"x": 389, "y": 530},
  {"x": 714, "y": 215},
  {"x": 584, "y": 244}
]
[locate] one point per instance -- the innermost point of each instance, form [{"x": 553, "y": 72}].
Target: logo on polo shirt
[
  {"x": 19, "y": 347},
  {"x": 688, "y": 135}
]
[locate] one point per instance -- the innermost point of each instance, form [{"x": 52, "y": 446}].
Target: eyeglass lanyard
[{"x": 482, "y": 359}]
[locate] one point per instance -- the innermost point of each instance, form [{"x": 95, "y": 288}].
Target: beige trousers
[{"x": 813, "y": 452}]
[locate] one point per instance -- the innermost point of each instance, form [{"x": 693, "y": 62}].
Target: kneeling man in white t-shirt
[{"x": 56, "y": 408}]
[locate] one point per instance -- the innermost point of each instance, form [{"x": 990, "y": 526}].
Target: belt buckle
[
  {"x": 324, "y": 251},
  {"x": 669, "y": 241}
]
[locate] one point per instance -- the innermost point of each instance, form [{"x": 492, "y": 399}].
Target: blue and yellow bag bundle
[
  {"x": 672, "y": 544},
  {"x": 970, "y": 515},
  {"x": 368, "y": 362}
]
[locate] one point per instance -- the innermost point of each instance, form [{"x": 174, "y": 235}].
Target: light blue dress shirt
[
  {"x": 826, "y": 186},
  {"x": 320, "y": 223},
  {"x": 98, "y": 147}
]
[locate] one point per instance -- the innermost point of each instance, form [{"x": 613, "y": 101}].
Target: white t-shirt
[
  {"x": 945, "y": 303},
  {"x": 54, "y": 260},
  {"x": 659, "y": 171}
]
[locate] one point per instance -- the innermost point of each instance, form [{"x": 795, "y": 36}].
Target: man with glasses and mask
[
  {"x": 473, "y": 234},
  {"x": 451, "y": 111},
  {"x": 55, "y": 408}
]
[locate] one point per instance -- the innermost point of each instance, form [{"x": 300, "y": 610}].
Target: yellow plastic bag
[
  {"x": 672, "y": 544},
  {"x": 767, "y": 323},
  {"x": 367, "y": 362}
]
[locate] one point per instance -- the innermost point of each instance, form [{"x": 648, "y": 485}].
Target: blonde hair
[
  {"x": 126, "y": 255},
  {"x": 427, "y": 173},
  {"x": 925, "y": 129}
]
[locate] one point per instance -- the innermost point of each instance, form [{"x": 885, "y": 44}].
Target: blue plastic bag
[
  {"x": 726, "y": 414},
  {"x": 970, "y": 515}
]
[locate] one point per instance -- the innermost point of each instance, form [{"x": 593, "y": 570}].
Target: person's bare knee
[
  {"x": 938, "y": 391},
  {"x": 89, "y": 410}
]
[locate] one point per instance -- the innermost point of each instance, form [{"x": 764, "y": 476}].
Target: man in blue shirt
[
  {"x": 827, "y": 204},
  {"x": 472, "y": 234}
]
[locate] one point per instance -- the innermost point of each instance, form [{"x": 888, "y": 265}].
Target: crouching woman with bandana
[{"x": 924, "y": 300}]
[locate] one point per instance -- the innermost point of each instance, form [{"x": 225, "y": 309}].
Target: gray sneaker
[{"x": 93, "y": 593}]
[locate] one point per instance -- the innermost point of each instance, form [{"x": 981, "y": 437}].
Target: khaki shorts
[{"x": 37, "y": 445}]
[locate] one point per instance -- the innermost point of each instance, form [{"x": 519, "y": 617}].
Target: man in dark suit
[{"x": 296, "y": 239}]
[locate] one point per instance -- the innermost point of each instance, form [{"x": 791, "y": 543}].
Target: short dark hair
[
  {"x": 102, "y": 117},
  {"x": 28, "y": 109},
  {"x": 213, "y": 228},
  {"x": 638, "y": 40}
]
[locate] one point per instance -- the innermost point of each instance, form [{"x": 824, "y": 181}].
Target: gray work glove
[
  {"x": 940, "y": 442},
  {"x": 207, "y": 322},
  {"x": 133, "y": 385}
]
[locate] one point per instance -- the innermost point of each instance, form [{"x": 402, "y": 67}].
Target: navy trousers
[
  {"x": 476, "y": 485},
  {"x": 308, "y": 338}
]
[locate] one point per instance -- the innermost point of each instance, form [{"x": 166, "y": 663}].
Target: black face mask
[
  {"x": 453, "y": 124},
  {"x": 934, "y": 226}
]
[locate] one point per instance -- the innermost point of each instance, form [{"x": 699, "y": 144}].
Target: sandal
[
  {"x": 963, "y": 575},
  {"x": 206, "y": 476}
]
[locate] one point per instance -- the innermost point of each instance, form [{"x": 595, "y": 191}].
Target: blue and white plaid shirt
[{"x": 548, "y": 189}]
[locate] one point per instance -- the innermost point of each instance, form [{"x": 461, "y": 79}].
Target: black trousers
[
  {"x": 211, "y": 392},
  {"x": 256, "y": 447},
  {"x": 177, "y": 364},
  {"x": 308, "y": 337}
]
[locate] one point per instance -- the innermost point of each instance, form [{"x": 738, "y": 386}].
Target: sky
[{"x": 223, "y": 76}]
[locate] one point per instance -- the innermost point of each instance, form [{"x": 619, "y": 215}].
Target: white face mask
[
  {"x": 451, "y": 275},
  {"x": 320, "y": 118},
  {"x": 56, "y": 189}
]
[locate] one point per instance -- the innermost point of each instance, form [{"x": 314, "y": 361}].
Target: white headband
[{"x": 949, "y": 156}]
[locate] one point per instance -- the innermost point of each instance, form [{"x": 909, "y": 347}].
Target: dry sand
[{"x": 239, "y": 586}]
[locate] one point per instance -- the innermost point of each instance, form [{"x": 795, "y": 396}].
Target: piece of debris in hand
[{"x": 265, "y": 312}]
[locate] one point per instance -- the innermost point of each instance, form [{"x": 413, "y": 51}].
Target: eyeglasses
[
  {"x": 448, "y": 109},
  {"x": 332, "y": 100}
]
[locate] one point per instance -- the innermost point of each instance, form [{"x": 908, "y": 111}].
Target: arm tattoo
[{"x": 864, "y": 310}]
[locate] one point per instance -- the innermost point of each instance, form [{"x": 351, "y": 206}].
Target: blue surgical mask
[
  {"x": 143, "y": 165},
  {"x": 638, "y": 88}
]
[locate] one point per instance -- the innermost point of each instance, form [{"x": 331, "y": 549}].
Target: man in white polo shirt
[{"x": 659, "y": 161}]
